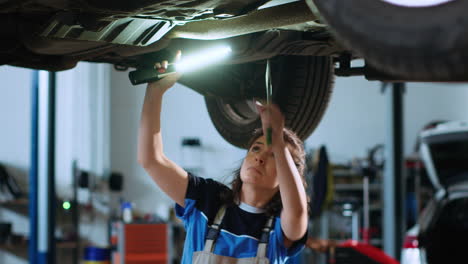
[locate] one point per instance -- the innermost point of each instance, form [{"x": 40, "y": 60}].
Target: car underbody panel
[{"x": 55, "y": 35}]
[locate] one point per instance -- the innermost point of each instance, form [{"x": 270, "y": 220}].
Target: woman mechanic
[{"x": 262, "y": 218}]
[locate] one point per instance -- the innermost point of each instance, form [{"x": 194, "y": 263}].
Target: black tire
[
  {"x": 419, "y": 43},
  {"x": 302, "y": 87}
]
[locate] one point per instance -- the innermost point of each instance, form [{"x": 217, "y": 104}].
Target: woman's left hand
[{"x": 273, "y": 118}]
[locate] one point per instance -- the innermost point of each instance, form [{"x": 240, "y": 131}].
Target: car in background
[
  {"x": 307, "y": 42},
  {"x": 442, "y": 230}
]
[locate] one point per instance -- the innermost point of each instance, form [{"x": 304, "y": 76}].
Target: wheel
[
  {"x": 425, "y": 42},
  {"x": 302, "y": 87}
]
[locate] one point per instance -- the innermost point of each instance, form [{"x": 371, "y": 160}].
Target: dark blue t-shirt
[{"x": 240, "y": 230}]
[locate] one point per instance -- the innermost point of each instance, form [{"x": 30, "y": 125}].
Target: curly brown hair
[{"x": 298, "y": 154}]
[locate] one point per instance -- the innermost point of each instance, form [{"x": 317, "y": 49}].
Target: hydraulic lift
[{"x": 394, "y": 191}]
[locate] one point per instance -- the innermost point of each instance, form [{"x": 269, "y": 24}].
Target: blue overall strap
[
  {"x": 263, "y": 243},
  {"x": 213, "y": 231}
]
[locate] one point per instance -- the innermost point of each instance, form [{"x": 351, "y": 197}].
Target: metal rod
[
  {"x": 46, "y": 169},
  {"x": 394, "y": 218},
  {"x": 366, "y": 224},
  {"x": 33, "y": 170},
  {"x": 269, "y": 92},
  {"x": 74, "y": 211},
  {"x": 355, "y": 225},
  {"x": 51, "y": 164}
]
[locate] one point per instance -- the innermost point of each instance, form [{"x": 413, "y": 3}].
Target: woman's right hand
[
  {"x": 168, "y": 81},
  {"x": 169, "y": 176}
]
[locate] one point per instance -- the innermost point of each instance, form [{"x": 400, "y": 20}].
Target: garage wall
[
  {"x": 425, "y": 102},
  {"x": 82, "y": 136},
  {"x": 81, "y": 127},
  {"x": 354, "y": 120},
  {"x": 15, "y": 115},
  {"x": 15, "y": 138},
  {"x": 356, "y": 117}
]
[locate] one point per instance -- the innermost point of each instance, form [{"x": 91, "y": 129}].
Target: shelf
[
  {"x": 20, "y": 206},
  {"x": 356, "y": 187},
  {"x": 21, "y": 250},
  {"x": 345, "y": 173},
  {"x": 64, "y": 248}
]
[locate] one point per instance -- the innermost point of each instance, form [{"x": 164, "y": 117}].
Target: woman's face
[{"x": 259, "y": 167}]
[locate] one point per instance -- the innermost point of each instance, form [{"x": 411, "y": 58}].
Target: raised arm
[
  {"x": 170, "y": 177},
  {"x": 294, "y": 217},
  {"x": 293, "y": 196}
]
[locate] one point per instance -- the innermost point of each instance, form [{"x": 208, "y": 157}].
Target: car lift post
[
  {"x": 393, "y": 181},
  {"x": 42, "y": 171}
]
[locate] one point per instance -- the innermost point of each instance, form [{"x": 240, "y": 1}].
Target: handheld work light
[{"x": 188, "y": 63}]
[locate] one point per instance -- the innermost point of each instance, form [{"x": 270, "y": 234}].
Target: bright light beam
[
  {"x": 202, "y": 59},
  {"x": 186, "y": 64},
  {"x": 417, "y": 3}
]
